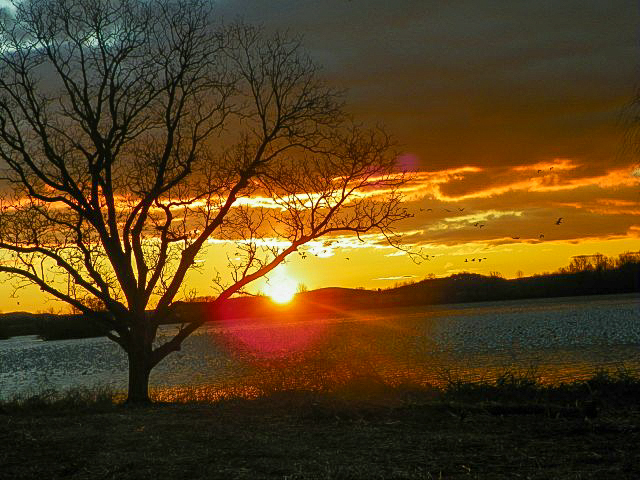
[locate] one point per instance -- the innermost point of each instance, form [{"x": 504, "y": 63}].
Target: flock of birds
[
  {"x": 473, "y": 259},
  {"x": 559, "y": 221},
  {"x": 476, "y": 225},
  {"x": 481, "y": 225}
]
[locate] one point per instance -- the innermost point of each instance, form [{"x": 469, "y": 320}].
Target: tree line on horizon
[{"x": 585, "y": 275}]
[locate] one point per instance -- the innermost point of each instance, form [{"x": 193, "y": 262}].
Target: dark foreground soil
[{"x": 304, "y": 438}]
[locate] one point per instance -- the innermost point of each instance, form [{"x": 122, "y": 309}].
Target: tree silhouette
[{"x": 131, "y": 133}]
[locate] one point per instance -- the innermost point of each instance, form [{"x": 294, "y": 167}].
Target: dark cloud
[
  {"x": 475, "y": 82},
  {"x": 496, "y": 85}
]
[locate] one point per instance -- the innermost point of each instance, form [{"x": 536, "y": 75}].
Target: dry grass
[{"x": 510, "y": 428}]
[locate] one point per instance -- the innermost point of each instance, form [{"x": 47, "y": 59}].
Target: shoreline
[{"x": 72, "y": 327}]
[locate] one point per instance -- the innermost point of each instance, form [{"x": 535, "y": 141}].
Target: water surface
[{"x": 562, "y": 338}]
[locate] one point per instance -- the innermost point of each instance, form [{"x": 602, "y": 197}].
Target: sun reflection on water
[
  {"x": 343, "y": 348},
  {"x": 351, "y": 351}
]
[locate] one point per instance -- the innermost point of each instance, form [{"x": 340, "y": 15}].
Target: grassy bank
[{"x": 509, "y": 428}]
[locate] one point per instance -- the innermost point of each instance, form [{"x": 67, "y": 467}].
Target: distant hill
[
  {"x": 324, "y": 301},
  {"x": 458, "y": 288},
  {"x": 469, "y": 287},
  {"x": 593, "y": 279}
]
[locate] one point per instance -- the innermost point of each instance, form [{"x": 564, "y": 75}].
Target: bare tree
[{"x": 133, "y": 132}]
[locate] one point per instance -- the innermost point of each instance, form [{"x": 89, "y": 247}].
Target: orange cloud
[
  {"x": 544, "y": 183},
  {"x": 605, "y": 206},
  {"x": 617, "y": 202},
  {"x": 398, "y": 277},
  {"x": 634, "y": 231},
  {"x": 556, "y": 164},
  {"x": 427, "y": 183}
]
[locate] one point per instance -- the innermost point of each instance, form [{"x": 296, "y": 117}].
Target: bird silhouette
[
  {"x": 447, "y": 210},
  {"x": 481, "y": 225},
  {"x": 539, "y": 170},
  {"x": 461, "y": 209},
  {"x": 466, "y": 259},
  {"x": 542, "y": 235},
  {"x": 429, "y": 209},
  {"x": 559, "y": 221},
  {"x": 516, "y": 238}
]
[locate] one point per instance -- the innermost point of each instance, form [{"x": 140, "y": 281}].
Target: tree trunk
[{"x": 139, "y": 371}]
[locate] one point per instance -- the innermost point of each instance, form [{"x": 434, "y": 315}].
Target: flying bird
[
  {"x": 516, "y": 238},
  {"x": 559, "y": 221},
  {"x": 461, "y": 209},
  {"x": 542, "y": 235}
]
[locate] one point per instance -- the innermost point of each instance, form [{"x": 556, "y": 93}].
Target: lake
[{"x": 560, "y": 338}]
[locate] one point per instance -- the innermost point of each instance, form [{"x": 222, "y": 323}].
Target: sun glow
[{"x": 281, "y": 287}]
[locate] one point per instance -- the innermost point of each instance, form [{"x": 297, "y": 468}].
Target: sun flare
[{"x": 281, "y": 287}]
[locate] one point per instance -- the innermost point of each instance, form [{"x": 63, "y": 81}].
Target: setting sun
[{"x": 281, "y": 287}]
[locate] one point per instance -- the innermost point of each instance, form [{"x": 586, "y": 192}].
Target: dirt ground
[{"x": 307, "y": 439}]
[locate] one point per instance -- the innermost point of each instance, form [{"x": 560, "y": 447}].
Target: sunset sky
[
  {"x": 513, "y": 111},
  {"x": 512, "y": 115}
]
